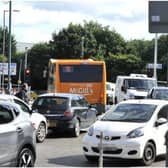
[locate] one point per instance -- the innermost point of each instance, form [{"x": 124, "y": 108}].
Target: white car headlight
[
  {"x": 136, "y": 133},
  {"x": 90, "y": 131}
]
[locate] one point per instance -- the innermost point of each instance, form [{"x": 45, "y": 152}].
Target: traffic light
[
  {"x": 27, "y": 72},
  {"x": 27, "y": 76}
]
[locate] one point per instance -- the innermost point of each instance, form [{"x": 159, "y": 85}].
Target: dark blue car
[{"x": 65, "y": 112}]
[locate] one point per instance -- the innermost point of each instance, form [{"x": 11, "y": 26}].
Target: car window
[
  {"x": 24, "y": 107},
  {"x": 130, "y": 113},
  {"x": 161, "y": 94},
  {"x": 83, "y": 102},
  {"x": 6, "y": 115},
  {"x": 75, "y": 103},
  {"x": 52, "y": 104},
  {"x": 163, "y": 113},
  {"x": 108, "y": 87}
]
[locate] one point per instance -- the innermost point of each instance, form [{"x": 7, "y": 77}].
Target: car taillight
[{"x": 68, "y": 113}]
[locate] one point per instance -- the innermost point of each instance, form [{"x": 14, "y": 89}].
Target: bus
[{"x": 85, "y": 77}]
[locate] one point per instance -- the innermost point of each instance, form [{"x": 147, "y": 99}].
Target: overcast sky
[{"x": 37, "y": 20}]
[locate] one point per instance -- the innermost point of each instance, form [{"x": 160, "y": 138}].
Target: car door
[
  {"x": 160, "y": 131},
  {"x": 8, "y": 135},
  {"x": 89, "y": 114},
  {"x": 80, "y": 111}
]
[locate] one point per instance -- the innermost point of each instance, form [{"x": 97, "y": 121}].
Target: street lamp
[
  {"x": 9, "y": 45},
  {"x": 9, "y": 49},
  {"x": 4, "y": 29},
  {"x": 82, "y": 47},
  {"x": 25, "y": 61}
]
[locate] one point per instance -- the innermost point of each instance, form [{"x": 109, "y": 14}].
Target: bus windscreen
[{"x": 81, "y": 73}]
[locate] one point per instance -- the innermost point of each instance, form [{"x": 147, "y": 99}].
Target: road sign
[
  {"x": 151, "y": 66},
  {"x": 158, "y": 18},
  {"x": 4, "y": 69}
]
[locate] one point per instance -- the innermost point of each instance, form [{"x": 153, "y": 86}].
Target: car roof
[
  {"x": 8, "y": 97},
  {"x": 145, "y": 101},
  {"x": 68, "y": 95},
  {"x": 136, "y": 77},
  {"x": 8, "y": 103}
]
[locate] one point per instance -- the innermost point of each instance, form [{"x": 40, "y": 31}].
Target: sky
[{"x": 37, "y": 20}]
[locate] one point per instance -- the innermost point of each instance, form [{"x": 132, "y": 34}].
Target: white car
[
  {"x": 110, "y": 92},
  {"x": 39, "y": 121},
  {"x": 133, "y": 129}
]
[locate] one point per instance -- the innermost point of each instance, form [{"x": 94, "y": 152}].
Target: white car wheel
[
  {"x": 41, "y": 132},
  {"x": 149, "y": 154}
]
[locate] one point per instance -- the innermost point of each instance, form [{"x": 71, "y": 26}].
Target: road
[{"x": 64, "y": 151}]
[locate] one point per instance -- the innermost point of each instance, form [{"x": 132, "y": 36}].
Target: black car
[
  {"x": 158, "y": 92},
  {"x": 65, "y": 111}
]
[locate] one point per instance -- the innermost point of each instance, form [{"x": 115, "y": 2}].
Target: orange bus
[{"x": 86, "y": 77}]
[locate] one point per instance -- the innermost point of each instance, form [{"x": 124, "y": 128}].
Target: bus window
[{"x": 78, "y": 73}]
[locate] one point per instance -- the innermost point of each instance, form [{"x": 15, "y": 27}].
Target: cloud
[{"x": 127, "y": 17}]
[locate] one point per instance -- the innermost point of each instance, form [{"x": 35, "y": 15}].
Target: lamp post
[
  {"x": 82, "y": 47},
  {"x": 9, "y": 43},
  {"x": 9, "y": 49},
  {"x": 4, "y": 29},
  {"x": 25, "y": 65}
]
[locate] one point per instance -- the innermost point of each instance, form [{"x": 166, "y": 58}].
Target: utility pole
[
  {"x": 25, "y": 63},
  {"x": 155, "y": 57},
  {"x": 9, "y": 50},
  {"x": 82, "y": 47}
]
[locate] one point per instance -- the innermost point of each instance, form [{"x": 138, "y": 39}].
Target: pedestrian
[{"x": 23, "y": 93}]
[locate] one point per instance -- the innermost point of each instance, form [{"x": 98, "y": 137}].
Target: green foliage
[
  {"x": 38, "y": 57},
  {"x": 13, "y": 42},
  {"x": 98, "y": 41},
  {"x": 122, "y": 65}
]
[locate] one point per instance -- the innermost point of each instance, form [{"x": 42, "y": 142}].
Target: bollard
[
  {"x": 101, "y": 150},
  {"x": 166, "y": 143}
]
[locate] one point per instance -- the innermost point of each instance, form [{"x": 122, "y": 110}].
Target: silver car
[
  {"x": 38, "y": 120},
  {"x": 17, "y": 137}
]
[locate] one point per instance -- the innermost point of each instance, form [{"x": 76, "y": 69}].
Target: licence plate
[
  {"x": 51, "y": 123},
  {"x": 109, "y": 147}
]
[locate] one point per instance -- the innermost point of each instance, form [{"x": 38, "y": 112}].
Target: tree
[
  {"x": 98, "y": 41},
  {"x": 38, "y": 57},
  {"x": 122, "y": 65},
  {"x": 13, "y": 44}
]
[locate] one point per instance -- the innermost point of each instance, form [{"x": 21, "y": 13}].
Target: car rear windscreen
[{"x": 51, "y": 104}]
